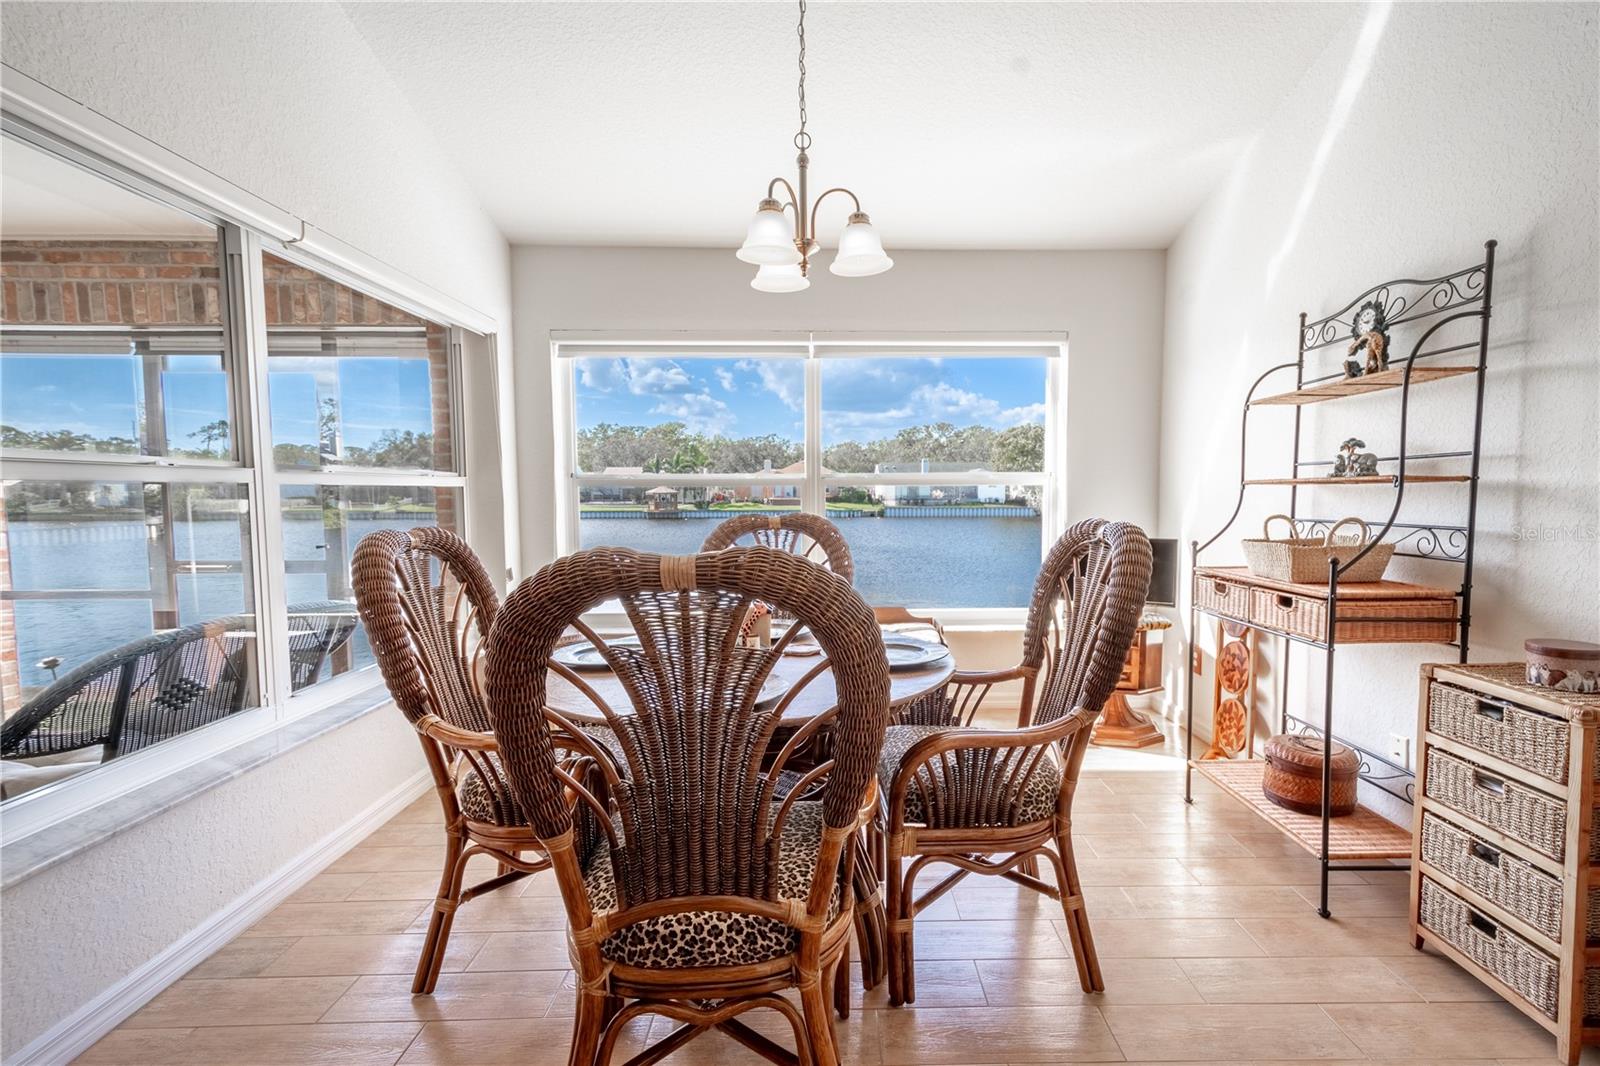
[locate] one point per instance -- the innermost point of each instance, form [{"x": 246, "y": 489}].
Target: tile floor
[{"x": 1204, "y": 922}]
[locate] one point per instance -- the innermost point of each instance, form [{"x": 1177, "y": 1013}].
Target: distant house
[
  {"x": 889, "y": 492},
  {"x": 614, "y": 493},
  {"x": 779, "y": 493}
]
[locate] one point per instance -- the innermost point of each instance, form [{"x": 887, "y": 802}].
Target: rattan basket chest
[{"x": 1504, "y": 852}]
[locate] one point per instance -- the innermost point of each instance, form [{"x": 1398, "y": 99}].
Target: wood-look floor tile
[
  {"x": 496, "y": 913},
  {"x": 1264, "y": 842},
  {"x": 987, "y": 940},
  {"x": 244, "y": 957},
  {"x": 227, "y": 1001},
  {"x": 424, "y": 884},
  {"x": 1351, "y": 901},
  {"x": 331, "y": 956},
  {"x": 1036, "y": 982},
  {"x": 1437, "y": 979},
  {"x": 368, "y": 859},
  {"x": 1171, "y": 938},
  {"x": 522, "y": 951},
  {"x": 1228, "y": 1033},
  {"x": 1323, "y": 937},
  {"x": 995, "y": 1035},
  {"x": 1003, "y": 901},
  {"x": 1105, "y": 822},
  {"x": 1120, "y": 872},
  {"x": 857, "y": 1035},
  {"x": 1152, "y": 845},
  {"x": 1442, "y": 1030},
  {"x": 505, "y": 1042},
  {"x": 940, "y": 983},
  {"x": 256, "y": 1045},
  {"x": 1266, "y": 870},
  {"x": 332, "y": 919},
  {"x": 327, "y": 888},
  {"x": 424, "y": 810},
  {"x": 407, "y": 834},
  {"x": 1291, "y": 980},
  {"x": 1213, "y": 901},
  {"x": 458, "y": 996}
]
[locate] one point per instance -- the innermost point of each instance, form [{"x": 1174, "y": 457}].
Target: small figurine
[
  {"x": 1352, "y": 462},
  {"x": 1369, "y": 332}
]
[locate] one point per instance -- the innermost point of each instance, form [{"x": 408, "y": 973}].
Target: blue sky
[
  {"x": 862, "y": 399},
  {"x": 99, "y": 395}
]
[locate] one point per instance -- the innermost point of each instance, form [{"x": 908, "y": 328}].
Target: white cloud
[
  {"x": 700, "y": 412},
  {"x": 655, "y": 377},
  {"x": 726, "y": 377},
  {"x": 788, "y": 387},
  {"x": 601, "y": 375},
  {"x": 1017, "y": 416}
]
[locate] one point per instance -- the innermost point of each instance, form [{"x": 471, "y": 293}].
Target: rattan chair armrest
[
  {"x": 947, "y": 740},
  {"x": 437, "y": 728},
  {"x": 991, "y": 677}
]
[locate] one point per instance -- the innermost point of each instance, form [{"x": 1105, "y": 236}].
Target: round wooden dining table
[{"x": 818, "y": 695}]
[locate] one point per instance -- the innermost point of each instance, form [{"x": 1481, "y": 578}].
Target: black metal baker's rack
[{"x": 1430, "y": 305}]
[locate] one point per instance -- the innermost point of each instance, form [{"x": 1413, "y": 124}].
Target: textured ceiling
[{"x": 960, "y": 125}]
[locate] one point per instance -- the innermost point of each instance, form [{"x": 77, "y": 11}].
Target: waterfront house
[{"x": 889, "y": 492}]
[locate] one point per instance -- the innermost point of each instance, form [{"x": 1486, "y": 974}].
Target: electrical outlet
[{"x": 1400, "y": 750}]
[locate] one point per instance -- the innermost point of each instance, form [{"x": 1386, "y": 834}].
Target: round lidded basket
[
  {"x": 1293, "y": 775},
  {"x": 1304, "y": 560},
  {"x": 1568, "y": 665}
]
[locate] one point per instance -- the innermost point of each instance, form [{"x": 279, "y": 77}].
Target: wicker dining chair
[
  {"x": 427, "y": 604},
  {"x": 806, "y": 535},
  {"x": 690, "y": 890},
  {"x": 994, "y": 801}
]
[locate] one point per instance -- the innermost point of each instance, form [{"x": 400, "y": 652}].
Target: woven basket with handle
[{"x": 1304, "y": 560}]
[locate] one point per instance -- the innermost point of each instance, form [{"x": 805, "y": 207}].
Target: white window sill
[{"x": 39, "y": 830}]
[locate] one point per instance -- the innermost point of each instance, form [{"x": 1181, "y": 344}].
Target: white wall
[
  {"x": 1423, "y": 130},
  {"x": 1110, "y": 304},
  {"x": 287, "y": 102}
]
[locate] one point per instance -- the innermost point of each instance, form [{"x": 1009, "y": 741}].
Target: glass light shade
[
  {"x": 771, "y": 278},
  {"x": 860, "y": 251},
  {"x": 770, "y": 239}
]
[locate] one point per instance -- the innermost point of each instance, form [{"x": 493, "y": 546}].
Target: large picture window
[
  {"x": 935, "y": 461},
  {"x": 185, "y": 437}
]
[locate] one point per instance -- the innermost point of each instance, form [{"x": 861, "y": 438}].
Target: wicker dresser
[{"x": 1504, "y": 850}]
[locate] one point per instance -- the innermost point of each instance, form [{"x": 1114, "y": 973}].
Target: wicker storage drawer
[
  {"x": 1530, "y": 972},
  {"x": 1498, "y": 876},
  {"x": 1534, "y": 741},
  {"x": 1222, "y": 596},
  {"x": 1522, "y": 813},
  {"x": 1357, "y": 622}
]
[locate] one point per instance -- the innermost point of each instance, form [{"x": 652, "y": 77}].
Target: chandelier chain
[{"x": 802, "y": 140}]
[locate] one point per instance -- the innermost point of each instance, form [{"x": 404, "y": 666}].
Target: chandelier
[{"x": 782, "y": 249}]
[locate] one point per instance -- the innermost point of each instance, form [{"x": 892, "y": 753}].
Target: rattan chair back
[
  {"x": 1086, "y": 606},
  {"x": 427, "y": 604},
  {"x": 806, "y": 535},
  {"x": 692, "y": 813}
]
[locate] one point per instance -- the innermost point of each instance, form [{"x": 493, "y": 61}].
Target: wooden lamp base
[{"x": 1120, "y": 726}]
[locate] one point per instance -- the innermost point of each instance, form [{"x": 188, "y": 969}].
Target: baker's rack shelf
[{"x": 1427, "y": 306}]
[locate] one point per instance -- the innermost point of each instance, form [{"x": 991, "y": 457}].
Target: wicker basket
[
  {"x": 1367, "y": 621},
  {"x": 1304, "y": 560},
  {"x": 1531, "y": 973},
  {"x": 1292, "y": 778},
  {"x": 1221, "y": 596},
  {"x": 1536, "y": 742},
  {"x": 1521, "y": 813},
  {"x": 1497, "y": 875}
]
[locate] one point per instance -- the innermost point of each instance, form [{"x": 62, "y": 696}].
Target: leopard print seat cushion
[
  {"x": 717, "y": 938},
  {"x": 1038, "y": 797},
  {"x": 478, "y": 802}
]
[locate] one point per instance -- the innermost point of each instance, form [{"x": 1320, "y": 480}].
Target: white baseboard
[{"x": 73, "y": 1035}]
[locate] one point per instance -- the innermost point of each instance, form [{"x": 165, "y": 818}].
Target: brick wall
[{"x": 178, "y": 283}]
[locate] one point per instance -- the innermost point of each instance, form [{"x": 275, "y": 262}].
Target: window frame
[
  {"x": 814, "y": 349},
  {"x": 39, "y": 117}
]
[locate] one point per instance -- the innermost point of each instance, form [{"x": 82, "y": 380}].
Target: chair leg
[
  {"x": 594, "y": 1013},
  {"x": 897, "y": 932},
  {"x": 444, "y": 910},
  {"x": 1077, "y": 915},
  {"x": 841, "y": 983},
  {"x": 819, "y": 1026}
]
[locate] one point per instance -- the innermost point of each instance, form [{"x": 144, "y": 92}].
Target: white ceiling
[
  {"x": 969, "y": 125},
  {"x": 44, "y": 197}
]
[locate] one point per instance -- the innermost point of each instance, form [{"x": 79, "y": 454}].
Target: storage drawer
[
  {"x": 1358, "y": 621},
  {"x": 1221, "y": 596},
  {"x": 1513, "y": 884},
  {"x": 1522, "y": 813},
  {"x": 1529, "y": 971},
  {"x": 1534, "y": 741}
]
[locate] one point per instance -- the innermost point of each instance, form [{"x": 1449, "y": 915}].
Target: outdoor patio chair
[
  {"x": 156, "y": 687},
  {"x": 690, "y": 891},
  {"x": 998, "y": 801},
  {"x": 427, "y": 604}
]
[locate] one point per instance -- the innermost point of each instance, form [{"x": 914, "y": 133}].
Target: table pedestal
[{"x": 1120, "y": 726}]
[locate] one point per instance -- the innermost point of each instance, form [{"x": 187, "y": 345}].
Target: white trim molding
[{"x": 75, "y": 1033}]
